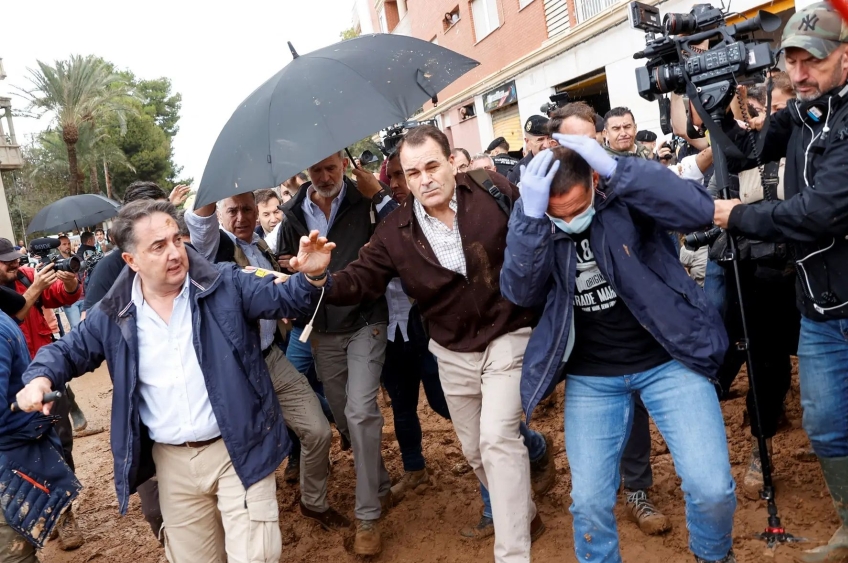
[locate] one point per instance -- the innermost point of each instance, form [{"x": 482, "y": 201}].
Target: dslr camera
[
  {"x": 700, "y": 48},
  {"x": 43, "y": 248}
]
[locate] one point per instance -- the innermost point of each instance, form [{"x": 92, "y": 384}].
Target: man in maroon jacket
[{"x": 447, "y": 244}]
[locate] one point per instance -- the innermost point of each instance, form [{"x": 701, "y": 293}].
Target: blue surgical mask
[{"x": 579, "y": 223}]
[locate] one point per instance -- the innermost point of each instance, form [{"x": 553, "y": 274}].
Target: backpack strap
[{"x": 482, "y": 178}]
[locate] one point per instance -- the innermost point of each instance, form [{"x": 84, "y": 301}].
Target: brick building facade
[{"x": 529, "y": 50}]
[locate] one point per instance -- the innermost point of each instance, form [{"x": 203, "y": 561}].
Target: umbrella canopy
[
  {"x": 322, "y": 102},
  {"x": 73, "y": 212}
]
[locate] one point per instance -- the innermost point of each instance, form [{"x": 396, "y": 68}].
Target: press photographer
[{"x": 812, "y": 133}]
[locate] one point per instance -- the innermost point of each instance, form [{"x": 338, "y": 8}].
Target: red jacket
[{"x": 35, "y": 328}]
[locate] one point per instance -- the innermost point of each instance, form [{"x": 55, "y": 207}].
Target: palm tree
[
  {"x": 93, "y": 148},
  {"x": 79, "y": 91}
]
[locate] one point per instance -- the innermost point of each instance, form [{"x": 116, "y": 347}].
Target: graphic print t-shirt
[{"x": 608, "y": 338}]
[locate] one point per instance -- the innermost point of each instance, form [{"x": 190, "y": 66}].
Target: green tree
[
  {"x": 79, "y": 91},
  {"x": 147, "y": 142},
  {"x": 349, "y": 33}
]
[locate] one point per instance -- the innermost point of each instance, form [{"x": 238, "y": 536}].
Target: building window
[
  {"x": 467, "y": 111},
  {"x": 524, "y": 3},
  {"x": 587, "y": 9},
  {"x": 450, "y": 18},
  {"x": 485, "y": 16}
]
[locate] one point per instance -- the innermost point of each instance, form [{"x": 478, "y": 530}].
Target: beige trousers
[
  {"x": 484, "y": 398},
  {"x": 208, "y": 514},
  {"x": 302, "y": 413}
]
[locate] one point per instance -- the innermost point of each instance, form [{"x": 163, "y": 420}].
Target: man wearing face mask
[{"x": 588, "y": 242}]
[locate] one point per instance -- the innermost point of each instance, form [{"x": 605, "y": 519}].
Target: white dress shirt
[
  {"x": 205, "y": 237},
  {"x": 446, "y": 243},
  {"x": 174, "y": 402}
]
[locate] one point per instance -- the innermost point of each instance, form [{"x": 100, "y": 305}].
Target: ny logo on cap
[{"x": 808, "y": 23}]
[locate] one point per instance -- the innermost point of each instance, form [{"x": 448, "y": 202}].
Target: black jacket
[
  {"x": 515, "y": 176},
  {"x": 504, "y": 163},
  {"x": 814, "y": 215},
  {"x": 352, "y": 228}
]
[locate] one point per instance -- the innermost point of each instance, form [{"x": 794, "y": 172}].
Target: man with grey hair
[
  {"x": 482, "y": 161},
  {"x": 192, "y": 399},
  {"x": 349, "y": 341},
  {"x": 228, "y": 236}
]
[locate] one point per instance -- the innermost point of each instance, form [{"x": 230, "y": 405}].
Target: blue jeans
[
  {"x": 536, "y": 447},
  {"x": 823, "y": 369},
  {"x": 73, "y": 312},
  {"x": 715, "y": 287},
  {"x": 684, "y": 406}
]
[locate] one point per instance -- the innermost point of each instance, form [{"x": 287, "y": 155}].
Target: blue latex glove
[
  {"x": 536, "y": 180},
  {"x": 591, "y": 151}
]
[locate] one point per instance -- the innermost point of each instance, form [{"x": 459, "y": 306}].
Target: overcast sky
[{"x": 215, "y": 53}]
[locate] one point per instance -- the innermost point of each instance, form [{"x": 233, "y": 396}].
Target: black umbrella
[
  {"x": 72, "y": 212},
  {"x": 321, "y": 103}
]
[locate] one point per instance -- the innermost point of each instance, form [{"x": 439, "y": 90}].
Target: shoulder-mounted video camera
[
  {"x": 676, "y": 56},
  {"x": 43, "y": 249},
  {"x": 396, "y": 132},
  {"x": 557, "y": 101}
]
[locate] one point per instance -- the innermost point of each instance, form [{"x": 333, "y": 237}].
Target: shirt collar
[
  {"x": 138, "y": 296},
  {"x": 336, "y": 200},
  {"x": 452, "y": 204}
]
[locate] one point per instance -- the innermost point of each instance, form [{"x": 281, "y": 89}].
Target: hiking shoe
[
  {"x": 729, "y": 558},
  {"x": 292, "y": 472},
  {"x": 387, "y": 501},
  {"x": 641, "y": 510},
  {"x": 70, "y": 537},
  {"x": 543, "y": 470},
  {"x": 329, "y": 519},
  {"x": 367, "y": 541},
  {"x": 484, "y": 528},
  {"x": 752, "y": 483},
  {"x": 417, "y": 481}
]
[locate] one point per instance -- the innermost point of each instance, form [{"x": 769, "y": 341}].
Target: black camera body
[
  {"x": 557, "y": 101},
  {"x": 674, "y": 60},
  {"x": 395, "y": 133},
  {"x": 43, "y": 249}
]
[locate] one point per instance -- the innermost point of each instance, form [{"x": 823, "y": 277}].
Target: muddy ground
[{"x": 423, "y": 528}]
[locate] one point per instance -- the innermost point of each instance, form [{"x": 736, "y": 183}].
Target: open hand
[
  {"x": 536, "y": 180},
  {"x": 591, "y": 151},
  {"x": 179, "y": 195},
  {"x": 313, "y": 256},
  {"x": 29, "y": 398}
]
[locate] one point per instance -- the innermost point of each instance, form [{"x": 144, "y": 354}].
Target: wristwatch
[
  {"x": 378, "y": 197},
  {"x": 316, "y": 278}
]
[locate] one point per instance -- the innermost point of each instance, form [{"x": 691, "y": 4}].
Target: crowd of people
[{"x": 240, "y": 333}]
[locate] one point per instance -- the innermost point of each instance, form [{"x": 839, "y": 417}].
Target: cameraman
[{"x": 812, "y": 133}]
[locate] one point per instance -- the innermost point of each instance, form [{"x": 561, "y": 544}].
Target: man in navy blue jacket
[
  {"x": 588, "y": 241},
  {"x": 192, "y": 400}
]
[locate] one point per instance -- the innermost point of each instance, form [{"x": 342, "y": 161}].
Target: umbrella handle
[{"x": 352, "y": 160}]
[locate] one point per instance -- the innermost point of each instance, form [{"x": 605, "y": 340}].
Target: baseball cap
[
  {"x": 495, "y": 144},
  {"x": 599, "y": 123},
  {"x": 536, "y": 125},
  {"x": 818, "y": 29},
  {"x": 7, "y": 251},
  {"x": 645, "y": 136}
]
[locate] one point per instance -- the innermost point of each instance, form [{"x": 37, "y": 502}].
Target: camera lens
[
  {"x": 679, "y": 23},
  {"x": 71, "y": 264},
  {"x": 667, "y": 78}
]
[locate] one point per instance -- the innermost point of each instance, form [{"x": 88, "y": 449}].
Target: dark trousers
[
  {"x": 148, "y": 494},
  {"x": 636, "y": 459},
  {"x": 773, "y": 327},
  {"x": 407, "y": 366}
]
